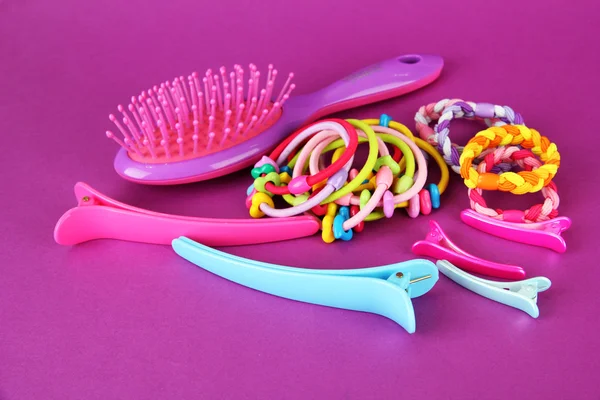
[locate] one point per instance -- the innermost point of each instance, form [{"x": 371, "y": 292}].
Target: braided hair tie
[
  {"x": 444, "y": 111},
  {"x": 526, "y": 160},
  {"x": 514, "y": 182}
]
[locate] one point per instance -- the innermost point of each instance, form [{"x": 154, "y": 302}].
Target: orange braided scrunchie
[{"x": 515, "y": 182}]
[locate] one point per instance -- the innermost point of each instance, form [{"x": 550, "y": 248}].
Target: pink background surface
[{"x": 117, "y": 320}]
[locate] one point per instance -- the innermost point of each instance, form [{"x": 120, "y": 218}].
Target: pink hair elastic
[
  {"x": 526, "y": 160},
  {"x": 444, "y": 111}
]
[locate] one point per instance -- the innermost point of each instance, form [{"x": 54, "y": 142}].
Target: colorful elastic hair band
[
  {"x": 261, "y": 202},
  {"x": 429, "y": 197},
  {"x": 444, "y": 111},
  {"x": 302, "y": 184},
  {"x": 514, "y": 182},
  {"x": 526, "y": 160}
]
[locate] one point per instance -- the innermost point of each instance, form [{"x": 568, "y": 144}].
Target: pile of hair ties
[{"x": 345, "y": 197}]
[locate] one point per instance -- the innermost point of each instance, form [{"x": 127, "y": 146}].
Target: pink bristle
[
  {"x": 228, "y": 102},
  {"x": 160, "y": 116},
  {"x": 127, "y": 122},
  {"x": 150, "y": 148},
  {"x": 250, "y": 126},
  {"x": 284, "y": 88},
  {"x": 195, "y": 112},
  {"x": 256, "y": 83},
  {"x": 225, "y": 94},
  {"x": 179, "y": 113},
  {"x": 213, "y": 93},
  {"x": 238, "y": 114},
  {"x": 133, "y": 112},
  {"x": 149, "y": 134},
  {"x": 165, "y": 145},
  {"x": 270, "y": 67},
  {"x": 185, "y": 90},
  {"x": 225, "y": 135},
  {"x": 273, "y": 111},
  {"x": 193, "y": 91},
  {"x": 196, "y": 82},
  {"x": 262, "y": 117},
  {"x": 261, "y": 100},
  {"x": 232, "y": 84},
  {"x": 147, "y": 113},
  {"x": 211, "y": 123},
  {"x": 201, "y": 106},
  {"x": 169, "y": 114},
  {"x": 119, "y": 126},
  {"x": 153, "y": 97},
  {"x": 211, "y": 137},
  {"x": 185, "y": 110},
  {"x": 227, "y": 117},
  {"x": 207, "y": 94},
  {"x": 287, "y": 95},
  {"x": 250, "y": 112},
  {"x": 152, "y": 109},
  {"x": 239, "y": 97},
  {"x": 249, "y": 94},
  {"x": 238, "y": 129},
  {"x": 175, "y": 98},
  {"x": 209, "y": 76},
  {"x": 270, "y": 85},
  {"x": 195, "y": 136},
  {"x": 146, "y": 122},
  {"x": 163, "y": 130},
  {"x": 213, "y": 111},
  {"x": 240, "y": 82},
  {"x": 166, "y": 93},
  {"x": 180, "y": 138},
  {"x": 112, "y": 136},
  {"x": 131, "y": 146},
  {"x": 195, "y": 139}
]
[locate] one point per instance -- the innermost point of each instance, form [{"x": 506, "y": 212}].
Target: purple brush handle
[{"x": 390, "y": 78}]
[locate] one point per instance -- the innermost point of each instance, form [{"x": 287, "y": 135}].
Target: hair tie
[
  {"x": 302, "y": 184},
  {"x": 526, "y": 160},
  {"x": 444, "y": 111},
  {"x": 514, "y": 182}
]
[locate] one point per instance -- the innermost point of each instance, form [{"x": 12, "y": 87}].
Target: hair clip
[
  {"x": 385, "y": 290},
  {"x": 520, "y": 294},
  {"x": 543, "y": 234},
  {"x": 437, "y": 245},
  {"x": 97, "y": 216}
]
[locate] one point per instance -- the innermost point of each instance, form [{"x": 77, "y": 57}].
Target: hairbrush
[{"x": 203, "y": 127}]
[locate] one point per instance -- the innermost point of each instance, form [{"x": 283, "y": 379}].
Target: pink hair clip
[
  {"x": 543, "y": 234},
  {"x": 437, "y": 245}
]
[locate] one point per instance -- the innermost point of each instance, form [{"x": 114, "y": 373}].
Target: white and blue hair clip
[
  {"x": 522, "y": 295},
  {"x": 385, "y": 290}
]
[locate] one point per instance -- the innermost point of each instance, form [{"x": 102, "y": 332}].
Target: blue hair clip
[
  {"x": 522, "y": 295},
  {"x": 385, "y": 290}
]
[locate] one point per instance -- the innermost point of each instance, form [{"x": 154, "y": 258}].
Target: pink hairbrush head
[{"x": 198, "y": 128}]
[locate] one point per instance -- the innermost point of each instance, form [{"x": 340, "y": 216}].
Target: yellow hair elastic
[{"x": 515, "y": 182}]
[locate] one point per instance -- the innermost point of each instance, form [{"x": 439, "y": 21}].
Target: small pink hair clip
[
  {"x": 437, "y": 245},
  {"x": 543, "y": 234}
]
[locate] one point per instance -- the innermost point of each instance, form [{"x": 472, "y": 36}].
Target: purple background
[{"x": 109, "y": 319}]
